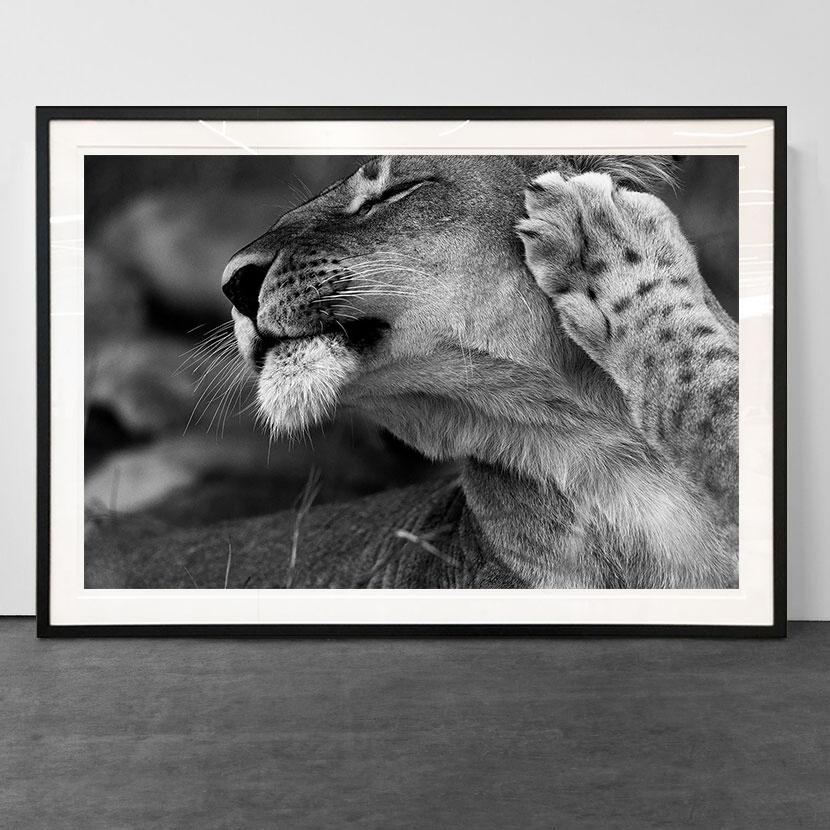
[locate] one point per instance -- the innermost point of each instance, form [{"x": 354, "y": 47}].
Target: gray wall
[{"x": 258, "y": 52}]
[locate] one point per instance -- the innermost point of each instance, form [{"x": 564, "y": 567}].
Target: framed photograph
[{"x": 411, "y": 370}]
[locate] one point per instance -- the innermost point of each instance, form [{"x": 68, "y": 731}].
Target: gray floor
[{"x": 418, "y": 733}]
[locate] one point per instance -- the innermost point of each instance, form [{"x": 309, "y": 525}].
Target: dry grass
[
  {"x": 423, "y": 542},
  {"x": 304, "y": 503},
  {"x": 195, "y": 585},
  {"x": 228, "y": 566},
  {"x": 416, "y": 536}
]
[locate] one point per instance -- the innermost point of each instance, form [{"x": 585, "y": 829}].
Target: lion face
[{"x": 412, "y": 261}]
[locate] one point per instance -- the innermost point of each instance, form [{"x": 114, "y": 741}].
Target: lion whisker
[
  {"x": 226, "y": 399},
  {"x": 222, "y": 395},
  {"x": 386, "y": 267},
  {"x": 373, "y": 283},
  {"x": 342, "y": 327},
  {"x": 199, "y": 351},
  {"x": 371, "y": 292},
  {"x": 219, "y": 378},
  {"x": 225, "y": 324},
  {"x": 197, "y": 359},
  {"x": 216, "y": 359},
  {"x": 373, "y": 269}
]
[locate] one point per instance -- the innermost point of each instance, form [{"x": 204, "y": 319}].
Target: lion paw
[{"x": 600, "y": 251}]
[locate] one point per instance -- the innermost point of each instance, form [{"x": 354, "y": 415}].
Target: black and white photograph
[
  {"x": 294, "y": 356},
  {"x": 411, "y": 371}
]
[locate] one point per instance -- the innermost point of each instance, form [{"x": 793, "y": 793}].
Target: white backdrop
[{"x": 259, "y": 52}]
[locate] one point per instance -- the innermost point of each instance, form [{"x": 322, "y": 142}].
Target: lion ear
[{"x": 647, "y": 173}]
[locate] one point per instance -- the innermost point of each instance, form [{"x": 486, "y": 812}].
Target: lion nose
[{"x": 242, "y": 282}]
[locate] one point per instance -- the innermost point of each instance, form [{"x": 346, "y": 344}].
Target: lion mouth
[
  {"x": 364, "y": 333},
  {"x": 357, "y": 335}
]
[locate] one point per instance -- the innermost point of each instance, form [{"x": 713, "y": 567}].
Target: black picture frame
[{"x": 778, "y": 115}]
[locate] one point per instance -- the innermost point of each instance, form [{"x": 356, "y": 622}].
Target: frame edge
[{"x": 44, "y": 116}]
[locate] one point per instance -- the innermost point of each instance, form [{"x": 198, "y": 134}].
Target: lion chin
[{"x": 301, "y": 381}]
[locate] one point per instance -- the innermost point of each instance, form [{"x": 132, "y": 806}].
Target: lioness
[{"x": 537, "y": 318}]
